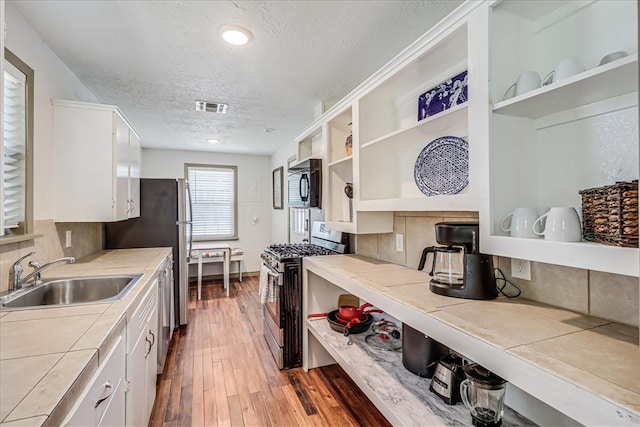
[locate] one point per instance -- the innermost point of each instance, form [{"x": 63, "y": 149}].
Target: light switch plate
[
  {"x": 67, "y": 243},
  {"x": 521, "y": 268},
  {"x": 399, "y": 243}
]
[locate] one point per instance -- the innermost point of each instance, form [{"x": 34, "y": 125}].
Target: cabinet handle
[
  {"x": 154, "y": 338},
  {"x": 149, "y": 350},
  {"x": 109, "y": 390}
]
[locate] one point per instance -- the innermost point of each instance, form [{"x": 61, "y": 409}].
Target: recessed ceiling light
[
  {"x": 213, "y": 140},
  {"x": 235, "y": 35}
]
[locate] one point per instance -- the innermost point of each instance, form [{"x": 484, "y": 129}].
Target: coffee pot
[
  {"x": 447, "y": 267},
  {"x": 483, "y": 393},
  {"x": 459, "y": 269}
]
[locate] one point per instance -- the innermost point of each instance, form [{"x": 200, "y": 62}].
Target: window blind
[
  {"x": 13, "y": 186},
  {"x": 213, "y": 198}
]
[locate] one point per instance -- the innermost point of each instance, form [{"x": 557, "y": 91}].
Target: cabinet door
[
  {"x": 121, "y": 158},
  {"x": 102, "y": 402},
  {"x": 134, "y": 174},
  {"x": 152, "y": 360},
  {"x": 136, "y": 375}
]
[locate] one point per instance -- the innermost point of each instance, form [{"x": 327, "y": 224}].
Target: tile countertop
[
  {"x": 48, "y": 355},
  {"x": 526, "y": 342}
]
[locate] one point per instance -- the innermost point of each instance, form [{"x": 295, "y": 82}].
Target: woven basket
[{"x": 611, "y": 214}]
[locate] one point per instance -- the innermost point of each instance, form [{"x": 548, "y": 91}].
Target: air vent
[{"x": 212, "y": 107}]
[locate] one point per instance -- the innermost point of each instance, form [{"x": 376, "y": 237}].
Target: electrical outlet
[
  {"x": 67, "y": 243},
  {"x": 521, "y": 268},
  {"x": 399, "y": 243}
]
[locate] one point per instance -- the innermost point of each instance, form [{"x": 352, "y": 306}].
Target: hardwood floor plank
[
  {"x": 235, "y": 411},
  {"x": 221, "y": 403}
]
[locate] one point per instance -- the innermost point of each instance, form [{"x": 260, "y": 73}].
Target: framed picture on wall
[{"x": 277, "y": 188}]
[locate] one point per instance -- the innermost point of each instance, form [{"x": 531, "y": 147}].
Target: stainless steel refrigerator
[{"x": 163, "y": 221}]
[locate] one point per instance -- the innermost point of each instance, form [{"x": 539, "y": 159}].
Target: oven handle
[{"x": 271, "y": 271}]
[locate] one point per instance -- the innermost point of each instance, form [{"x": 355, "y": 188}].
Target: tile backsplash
[
  {"x": 86, "y": 238},
  {"x": 609, "y": 296}
]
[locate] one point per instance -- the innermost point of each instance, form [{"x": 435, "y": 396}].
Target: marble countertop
[
  {"x": 48, "y": 355},
  {"x": 590, "y": 356}
]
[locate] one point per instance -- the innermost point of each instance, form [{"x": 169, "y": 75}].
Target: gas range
[
  {"x": 282, "y": 271},
  {"x": 324, "y": 242}
]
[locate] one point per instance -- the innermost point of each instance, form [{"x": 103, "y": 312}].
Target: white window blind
[
  {"x": 213, "y": 198},
  {"x": 13, "y": 189}
]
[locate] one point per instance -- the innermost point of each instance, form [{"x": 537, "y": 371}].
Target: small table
[{"x": 226, "y": 250}]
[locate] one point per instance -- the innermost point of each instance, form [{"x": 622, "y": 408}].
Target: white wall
[
  {"x": 254, "y": 192},
  {"x": 280, "y": 217},
  {"x": 52, "y": 80}
]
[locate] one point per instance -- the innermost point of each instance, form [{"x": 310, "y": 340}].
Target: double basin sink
[{"x": 71, "y": 291}]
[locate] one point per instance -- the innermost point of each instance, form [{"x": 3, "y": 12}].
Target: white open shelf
[
  {"x": 616, "y": 78},
  {"x": 402, "y": 397},
  {"x": 439, "y": 125},
  {"x": 587, "y": 255}
]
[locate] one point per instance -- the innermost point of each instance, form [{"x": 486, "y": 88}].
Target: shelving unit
[
  {"x": 582, "y": 132},
  {"x": 310, "y": 145},
  {"x": 402, "y": 397},
  {"x": 391, "y": 137}
]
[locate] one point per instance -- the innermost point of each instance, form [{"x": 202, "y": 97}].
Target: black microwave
[{"x": 304, "y": 184}]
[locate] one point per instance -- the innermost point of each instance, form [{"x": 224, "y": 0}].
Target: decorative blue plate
[
  {"x": 442, "y": 167},
  {"x": 447, "y": 94}
]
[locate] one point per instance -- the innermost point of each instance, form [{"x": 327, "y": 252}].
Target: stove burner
[{"x": 297, "y": 250}]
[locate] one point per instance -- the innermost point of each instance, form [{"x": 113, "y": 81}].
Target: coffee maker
[{"x": 459, "y": 269}]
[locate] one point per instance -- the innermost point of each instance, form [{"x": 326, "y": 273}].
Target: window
[
  {"x": 213, "y": 192},
  {"x": 16, "y": 187}
]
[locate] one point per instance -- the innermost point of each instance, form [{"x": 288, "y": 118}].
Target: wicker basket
[{"x": 610, "y": 214}]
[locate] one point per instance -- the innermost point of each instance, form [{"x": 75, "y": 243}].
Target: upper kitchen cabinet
[
  {"x": 391, "y": 132},
  {"x": 96, "y": 163},
  {"x": 546, "y": 142},
  {"x": 310, "y": 145},
  {"x": 341, "y": 210}
]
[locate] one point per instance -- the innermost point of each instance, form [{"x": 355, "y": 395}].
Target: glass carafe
[
  {"x": 448, "y": 266},
  {"x": 483, "y": 394}
]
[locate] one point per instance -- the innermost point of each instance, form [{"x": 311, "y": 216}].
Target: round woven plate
[{"x": 442, "y": 167}]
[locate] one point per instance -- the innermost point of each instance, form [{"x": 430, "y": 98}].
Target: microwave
[{"x": 304, "y": 184}]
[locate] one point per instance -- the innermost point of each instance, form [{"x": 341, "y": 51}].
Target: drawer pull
[
  {"x": 109, "y": 390},
  {"x": 150, "y": 345},
  {"x": 154, "y": 338}
]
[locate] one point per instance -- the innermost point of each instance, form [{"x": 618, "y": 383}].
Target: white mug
[
  {"x": 610, "y": 57},
  {"x": 562, "y": 225},
  {"x": 566, "y": 68},
  {"x": 527, "y": 81},
  {"x": 522, "y": 220}
]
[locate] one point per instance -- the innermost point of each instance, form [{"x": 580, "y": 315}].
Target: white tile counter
[
  {"x": 585, "y": 367},
  {"x": 47, "y": 355}
]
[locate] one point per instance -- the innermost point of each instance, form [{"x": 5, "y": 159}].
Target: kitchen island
[
  {"x": 48, "y": 355},
  {"x": 584, "y": 367}
]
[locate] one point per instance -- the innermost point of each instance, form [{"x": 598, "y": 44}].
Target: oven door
[{"x": 273, "y": 318}]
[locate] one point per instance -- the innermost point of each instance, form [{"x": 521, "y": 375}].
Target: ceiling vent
[{"x": 212, "y": 107}]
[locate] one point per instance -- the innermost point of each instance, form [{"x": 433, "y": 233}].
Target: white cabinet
[
  {"x": 390, "y": 136},
  {"x": 142, "y": 365},
  {"x": 547, "y": 144},
  {"x": 103, "y": 399},
  {"x": 96, "y": 163},
  {"x": 341, "y": 212}
]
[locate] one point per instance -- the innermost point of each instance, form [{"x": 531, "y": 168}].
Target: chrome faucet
[{"x": 16, "y": 281}]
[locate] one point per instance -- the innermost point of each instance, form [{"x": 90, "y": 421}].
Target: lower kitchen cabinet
[
  {"x": 102, "y": 403},
  {"x": 142, "y": 354}
]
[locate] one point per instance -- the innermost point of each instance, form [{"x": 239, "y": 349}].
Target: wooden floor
[{"x": 219, "y": 371}]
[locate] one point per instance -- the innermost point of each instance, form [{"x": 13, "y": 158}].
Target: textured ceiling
[{"x": 155, "y": 58}]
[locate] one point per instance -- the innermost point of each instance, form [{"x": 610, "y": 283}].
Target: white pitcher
[{"x": 562, "y": 225}]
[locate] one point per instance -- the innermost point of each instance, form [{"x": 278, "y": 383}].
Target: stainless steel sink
[{"x": 77, "y": 290}]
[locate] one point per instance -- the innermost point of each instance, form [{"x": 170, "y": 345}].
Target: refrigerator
[{"x": 164, "y": 211}]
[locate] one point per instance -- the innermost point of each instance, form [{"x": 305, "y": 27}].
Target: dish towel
[{"x": 266, "y": 289}]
